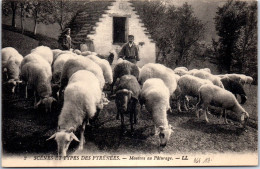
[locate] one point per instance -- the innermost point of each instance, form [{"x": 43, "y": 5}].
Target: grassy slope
[{"x": 23, "y": 44}]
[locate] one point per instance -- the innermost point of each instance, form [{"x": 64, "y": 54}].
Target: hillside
[{"x": 24, "y": 43}]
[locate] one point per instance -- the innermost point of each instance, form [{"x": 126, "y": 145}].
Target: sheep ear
[
  {"x": 157, "y": 131},
  {"x": 130, "y": 93},
  {"x": 113, "y": 96},
  {"x": 19, "y": 81},
  {"x": 37, "y": 104},
  {"x": 172, "y": 128},
  {"x": 74, "y": 137},
  {"x": 71, "y": 129},
  {"x": 161, "y": 128},
  {"x": 53, "y": 136},
  {"x": 54, "y": 100}
]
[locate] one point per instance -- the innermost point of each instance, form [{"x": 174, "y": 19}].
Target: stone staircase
[{"x": 85, "y": 20}]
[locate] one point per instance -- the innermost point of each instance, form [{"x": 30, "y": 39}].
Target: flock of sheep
[{"x": 77, "y": 79}]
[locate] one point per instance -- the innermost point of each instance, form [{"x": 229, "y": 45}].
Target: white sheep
[
  {"x": 81, "y": 63},
  {"x": 155, "y": 70},
  {"x": 86, "y": 53},
  {"x": 189, "y": 86},
  {"x": 249, "y": 80},
  {"x": 206, "y": 69},
  {"x": 240, "y": 78},
  {"x": 82, "y": 101},
  {"x": 155, "y": 95},
  {"x": 44, "y": 52},
  {"x": 206, "y": 75},
  {"x": 77, "y": 51},
  {"x": 181, "y": 71},
  {"x": 58, "y": 66},
  {"x": 57, "y": 52},
  {"x": 11, "y": 61},
  {"x": 37, "y": 74},
  {"x": 181, "y": 68},
  {"x": 219, "y": 97},
  {"x": 105, "y": 66}
]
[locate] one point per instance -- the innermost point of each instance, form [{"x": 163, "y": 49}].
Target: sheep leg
[
  {"x": 26, "y": 91},
  {"x": 132, "y": 121},
  {"x": 185, "y": 104},
  {"x": 122, "y": 122},
  {"x": 82, "y": 138},
  {"x": 136, "y": 111},
  {"x": 35, "y": 100},
  {"x": 117, "y": 115},
  {"x": 205, "y": 114},
  {"x": 112, "y": 85},
  {"x": 198, "y": 113},
  {"x": 225, "y": 118},
  {"x": 179, "y": 105}
]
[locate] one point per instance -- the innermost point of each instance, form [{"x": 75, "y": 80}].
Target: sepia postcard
[{"x": 129, "y": 83}]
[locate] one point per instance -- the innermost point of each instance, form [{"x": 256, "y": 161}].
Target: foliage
[
  {"x": 173, "y": 30},
  {"x": 236, "y": 25}
]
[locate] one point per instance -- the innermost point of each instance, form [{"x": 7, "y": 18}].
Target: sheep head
[
  {"x": 47, "y": 102},
  {"x": 122, "y": 98},
  {"x": 63, "y": 139},
  {"x": 244, "y": 119},
  {"x": 164, "y": 134}
]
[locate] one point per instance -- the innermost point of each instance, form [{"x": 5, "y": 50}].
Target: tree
[
  {"x": 40, "y": 11},
  {"x": 229, "y": 20},
  {"x": 63, "y": 10},
  {"x": 246, "y": 44},
  {"x": 173, "y": 30},
  {"x": 10, "y": 7},
  {"x": 188, "y": 30}
]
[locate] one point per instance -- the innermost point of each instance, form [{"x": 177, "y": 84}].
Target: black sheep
[
  {"x": 235, "y": 88},
  {"x": 124, "y": 68},
  {"x": 127, "y": 93}
]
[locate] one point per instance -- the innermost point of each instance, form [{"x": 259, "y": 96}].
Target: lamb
[
  {"x": 189, "y": 85},
  {"x": 74, "y": 65},
  {"x": 206, "y": 75},
  {"x": 124, "y": 68},
  {"x": 37, "y": 74},
  {"x": 155, "y": 70},
  {"x": 127, "y": 93},
  {"x": 105, "y": 66},
  {"x": 235, "y": 88},
  {"x": 82, "y": 101},
  {"x": 58, "y": 66},
  {"x": 219, "y": 97},
  {"x": 155, "y": 95},
  {"x": 11, "y": 61},
  {"x": 44, "y": 52}
]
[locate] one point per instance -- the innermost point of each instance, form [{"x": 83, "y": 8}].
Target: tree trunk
[
  {"x": 35, "y": 22},
  {"x": 61, "y": 15},
  {"x": 35, "y": 27},
  {"x": 22, "y": 25},
  {"x": 13, "y": 6}
]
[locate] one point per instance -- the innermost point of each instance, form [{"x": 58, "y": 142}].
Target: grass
[
  {"x": 26, "y": 129},
  {"x": 25, "y": 42}
]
